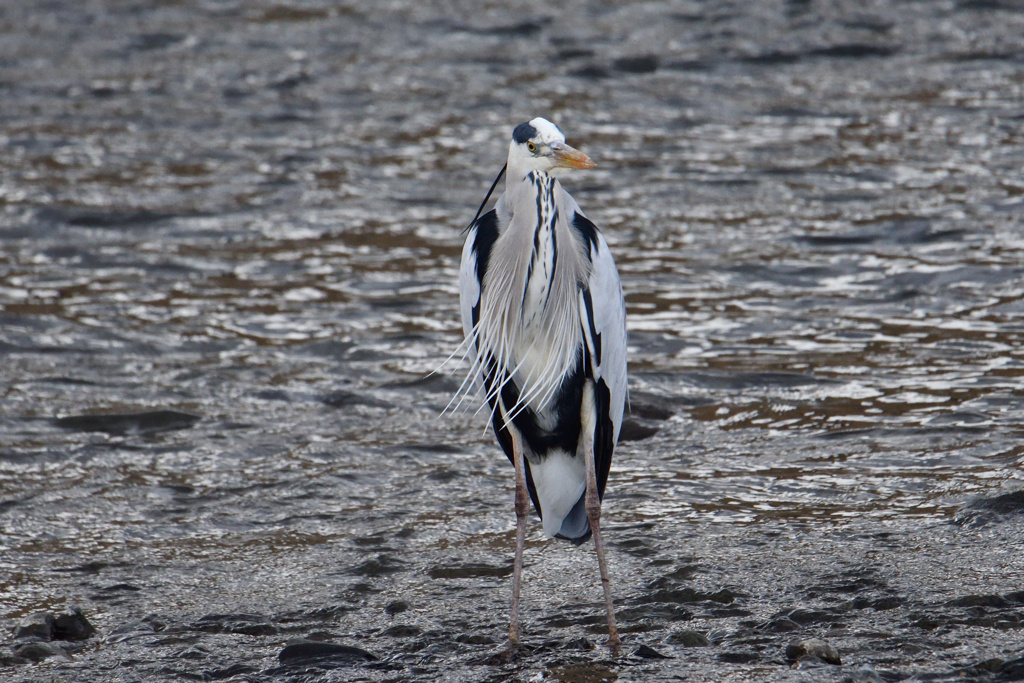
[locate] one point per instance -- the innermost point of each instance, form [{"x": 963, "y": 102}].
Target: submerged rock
[
  {"x": 35, "y": 625},
  {"x": 71, "y": 624},
  {"x": 689, "y": 638},
  {"x": 121, "y": 424},
  {"x": 1012, "y": 670},
  {"x": 304, "y": 651},
  {"x": 38, "y": 650},
  {"x": 981, "y": 511},
  {"x": 812, "y": 647},
  {"x": 865, "y": 674},
  {"x": 647, "y": 652}
]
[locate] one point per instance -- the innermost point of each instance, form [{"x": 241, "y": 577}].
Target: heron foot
[
  {"x": 508, "y": 654},
  {"x": 614, "y": 643}
]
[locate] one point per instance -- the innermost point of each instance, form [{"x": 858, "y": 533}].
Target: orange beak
[{"x": 568, "y": 157}]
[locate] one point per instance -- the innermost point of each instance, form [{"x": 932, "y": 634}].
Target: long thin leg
[
  {"x": 592, "y": 503},
  {"x": 522, "y": 507}
]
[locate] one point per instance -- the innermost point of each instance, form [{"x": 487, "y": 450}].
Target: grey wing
[{"x": 603, "y": 313}]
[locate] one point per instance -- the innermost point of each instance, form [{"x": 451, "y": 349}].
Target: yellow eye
[{"x": 532, "y": 147}]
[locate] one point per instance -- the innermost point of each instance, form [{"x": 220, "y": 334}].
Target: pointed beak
[{"x": 568, "y": 157}]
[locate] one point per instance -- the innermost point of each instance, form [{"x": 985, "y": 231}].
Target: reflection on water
[{"x": 228, "y": 250}]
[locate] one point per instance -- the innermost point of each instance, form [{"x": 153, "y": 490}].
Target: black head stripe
[{"x": 523, "y": 133}]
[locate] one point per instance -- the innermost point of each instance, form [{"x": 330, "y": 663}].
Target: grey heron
[{"x": 545, "y": 326}]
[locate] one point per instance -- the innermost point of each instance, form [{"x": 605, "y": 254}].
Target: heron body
[{"x": 544, "y": 319}]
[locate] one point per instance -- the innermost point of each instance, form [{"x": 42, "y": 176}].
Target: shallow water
[{"x": 229, "y": 239}]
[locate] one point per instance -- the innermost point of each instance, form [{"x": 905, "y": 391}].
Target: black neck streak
[{"x": 544, "y": 256}]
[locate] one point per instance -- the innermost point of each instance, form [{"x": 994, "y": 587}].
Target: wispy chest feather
[{"x": 529, "y": 312}]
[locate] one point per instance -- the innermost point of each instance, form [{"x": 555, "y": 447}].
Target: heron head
[{"x": 539, "y": 145}]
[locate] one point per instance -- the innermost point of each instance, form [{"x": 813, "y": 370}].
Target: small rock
[
  {"x": 402, "y": 631},
  {"x": 1012, "y": 670},
  {"x": 35, "y": 625},
  {"x": 688, "y": 638},
  {"x": 865, "y": 674},
  {"x": 781, "y": 625},
  {"x": 474, "y": 639},
  {"x": 397, "y": 607},
  {"x": 813, "y": 647},
  {"x": 306, "y": 650},
  {"x": 978, "y": 601},
  {"x": 738, "y": 657},
  {"x": 37, "y": 651},
  {"x": 648, "y": 652},
  {"x": 71, "y": 624}
]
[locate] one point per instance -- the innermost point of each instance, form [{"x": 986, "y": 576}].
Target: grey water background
[{"x": 229, "y": 241}]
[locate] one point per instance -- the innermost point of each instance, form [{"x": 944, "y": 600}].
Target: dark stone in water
[
  {"x": 689, "y": 638},
  {"x": 120, "y": 424},
  {"x": 647, "y": 652},
  {"x": 402, "y": 631},
  {"x": 397, "y": 607},
  {"x": 304, "y": 651},
  {"x": 37, "y": 651},
  {"x": 344, "y": 399},
  {"x": 244, "y": 624},
  {"x": 35, "y": 625},
  {"x": 865, "y": 674},
  {"x": 738, "y": 657},
  {"x": 1004, "y": 504},
  {"x": 475, "y": 639},
  {"x": 71, "y": 624},
  {"x": 978, "y": 601},
  {"x": 982, "y": 511},
  {"x": 1012, "y": 670},
  {"x": 469, "y": 571},
  {"x": 230, "y": 672},
  {"x": 813, "y": 647},
  {"x": 781, "y": 625},
  {"x": 642, "y": 64}
]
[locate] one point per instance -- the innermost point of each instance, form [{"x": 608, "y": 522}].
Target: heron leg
[
  {"x": 522, "y": 507},
  {"x": 592, "y": 504}
]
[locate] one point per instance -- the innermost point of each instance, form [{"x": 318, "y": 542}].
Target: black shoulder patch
[
  {"x": 587, "y": 229},
  {"x": 523, "y": 132},
  {"x": 486, "y": 235}
]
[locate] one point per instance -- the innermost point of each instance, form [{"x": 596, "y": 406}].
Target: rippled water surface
[{"x": 229, "y": 240}]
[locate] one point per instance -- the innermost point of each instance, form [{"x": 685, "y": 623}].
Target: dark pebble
[
  {"x": 470, "y": 571},
  {"x": 1005, "y": 504},
  {"x": 129, "y": 423},
  {"x": 402, "y": 631},
  {"x": 243, "y": 624},
  {"x": 813, "y": 647},
  {"x": 35, "y": 625},
  {"x": 230, "y": 672},
  {"x": 71, "y": 624},
  {"x": 865, "y": 674},
  {"x": 738, "y": 657},
  {"x": 397, "y": 607},
  {"x": 1012, "y": 670},
  {"x": 643, "y": 64},
  {"x": 978, "y": 601},
  {"x": 37, "y": 651},
  {"x": 306, "y": 650},
  {"x": 781, "y": 625},
  {"x": 647, "y": 652},
  {"x": 688, "y": 638}
]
